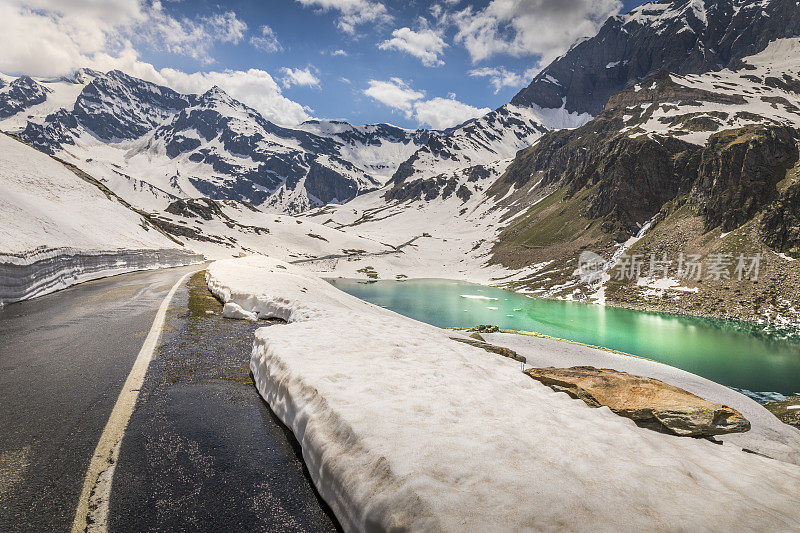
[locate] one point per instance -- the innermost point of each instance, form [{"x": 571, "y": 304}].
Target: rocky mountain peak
[{"x": 681, "y": 36}]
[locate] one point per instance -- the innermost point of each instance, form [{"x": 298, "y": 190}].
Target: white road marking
[{"x": 92, "y": 512}]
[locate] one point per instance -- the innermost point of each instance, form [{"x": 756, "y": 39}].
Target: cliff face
[{"x": 738, "y": 174}]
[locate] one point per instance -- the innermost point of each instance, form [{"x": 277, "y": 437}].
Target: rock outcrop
[{"x": 650, "y": 403}]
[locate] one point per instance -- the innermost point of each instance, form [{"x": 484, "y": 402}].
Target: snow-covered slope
[
  {"x": 377, "y": 148},
  {"x": 403, "y": 428},
  {"x": 58, "y": 228},
  {"x": 227, "y": 228}
]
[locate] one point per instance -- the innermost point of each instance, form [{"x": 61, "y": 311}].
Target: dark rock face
[
  {"x": 650, "y": 403},
  {"x": 56, "y": 132},
  {"x": 631, "y": 177},
  {"x": 196, "y": 207},
  {"x": 739, "y": 171},
  {"x": 117, "y": 106},
  {"x": 327, "y": 185},
  {"x": 780, "y": 225},
  {"x": 21, "y": 94},
  {"x": 669, "y": 36}
]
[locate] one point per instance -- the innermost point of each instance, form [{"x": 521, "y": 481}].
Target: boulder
[
  {"x": 477, "y": 336},
  {"x": 650, "y": 403}
]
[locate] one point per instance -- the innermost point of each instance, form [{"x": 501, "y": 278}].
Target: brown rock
[
  {"x": 477, "y": 336},
  {"x": 649, "y": 402},
  {"x": 492, "y": 348}
]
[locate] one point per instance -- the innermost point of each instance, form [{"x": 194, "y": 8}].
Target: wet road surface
[{"x": 201, "y": 452}]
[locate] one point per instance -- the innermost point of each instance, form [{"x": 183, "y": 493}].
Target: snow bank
[
  {"x": 403, "y": 428},
  {"x": 45, "y": 270}
]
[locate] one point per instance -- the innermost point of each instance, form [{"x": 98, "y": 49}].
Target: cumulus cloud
[
  {"x": 437, "y": 112},
  {"x": 440, "y": 113},
  {"x": 52, "y": 38},
  {"x": 299, "y": 76},
  {"x": 394, "y": 93},
  {"x": 46, "y": 38},
  {"x": 266, "y": 41},
  {"x": 426, "y": 44},
  {"x": 500, "y": 77},
  {"x": 253, "y": 87},
  {"x": 546, "y": 28},
  {"x": 351, "y": 12}
]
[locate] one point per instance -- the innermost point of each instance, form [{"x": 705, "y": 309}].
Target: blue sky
[{"x": 412, "y": 63}]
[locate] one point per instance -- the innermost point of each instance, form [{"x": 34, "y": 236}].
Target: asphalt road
[{"x": 63, "y": 359}]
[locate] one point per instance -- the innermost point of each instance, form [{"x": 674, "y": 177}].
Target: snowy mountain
[
  {"x": 497, "y": 135},
  {"x": 681, "y": 36},
  {"x": 702, "y": 164},
  {"x": 153, "y": 145}
]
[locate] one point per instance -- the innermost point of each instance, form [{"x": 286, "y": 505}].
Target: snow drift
[{"x": 404, "y": 429}]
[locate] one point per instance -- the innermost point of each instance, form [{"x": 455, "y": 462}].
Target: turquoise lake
[{"x": 728, "y": 352}]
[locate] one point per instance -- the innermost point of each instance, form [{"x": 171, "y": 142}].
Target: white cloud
[
  {"x": 437, "y": 112},
  {"x": 546, "y": 28},
  {"x": 440, "y": 113},
  {"x": 339, "y": 52},
  {"x": 352, "y": 12},
  {"x": 226, "y": 27},
  {"x": 299, "y": 76},
  {"x": 253, "y": 87},
  {"x": 267, "y": 41},
  {"x": 394, "y": 93},
  {"x": 50, "y": 38},
  {"x": 500, "y": 77},
  {"x": 42, "y": 38},
  {"x": 426, "y": 44}
]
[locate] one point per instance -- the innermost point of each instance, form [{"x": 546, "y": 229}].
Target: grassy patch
[
  {"x": 201, "y": 302},
  {"x": 555, "y": 219}
]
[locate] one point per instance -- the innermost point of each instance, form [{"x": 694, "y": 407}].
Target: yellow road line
[{"x": 92, "y": 512}]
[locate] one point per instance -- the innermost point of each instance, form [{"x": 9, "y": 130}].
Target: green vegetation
[
  {"x": 201, "y": 302},
  {"x": 554, "y": 220}
]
